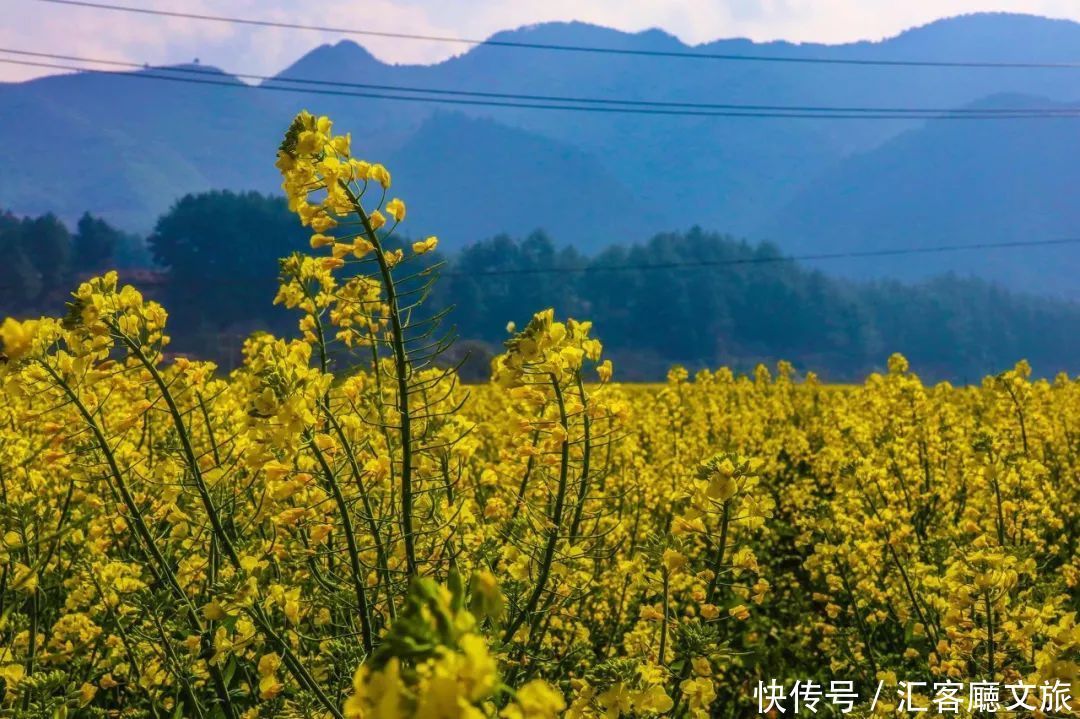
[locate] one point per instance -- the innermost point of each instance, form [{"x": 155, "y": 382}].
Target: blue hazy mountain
[
  {"x": 952, "y": 183},
  {"x": 127, "y": 147},
  {"x": 523, "y": 176}
]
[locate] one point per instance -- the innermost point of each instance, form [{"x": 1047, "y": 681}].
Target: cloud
[{"x": 158, "y": 40}]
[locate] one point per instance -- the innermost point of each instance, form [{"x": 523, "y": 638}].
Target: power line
[
  {"x": 775, "y": 259},
  {"x": 546, "y": 98},
  {"x": 770, "y": 259},
  {"x": 750, "y": 261},
  {"x": 149, "y": 75},
  {"x": 681, "y": 54}
]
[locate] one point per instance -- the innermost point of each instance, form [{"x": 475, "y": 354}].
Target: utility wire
[
  {"x": 768, "y": 260},
  {"x": 747, "y": 261},
  {"x": 682, "y": 54},
  {"x": 149, "y": 75},
  {"x": 774, "y": 259},
  {"x": 540, "y": 98}
]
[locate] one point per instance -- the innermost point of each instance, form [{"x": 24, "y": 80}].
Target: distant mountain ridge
[{"x": 126, "y": 148}]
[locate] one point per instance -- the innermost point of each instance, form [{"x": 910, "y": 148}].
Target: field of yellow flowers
[{"x": 338, "y": 528}]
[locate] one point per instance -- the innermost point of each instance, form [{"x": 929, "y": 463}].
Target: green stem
[
  {"x": 185, "y": 443},
  {"x": 556, "y": 520},
  {"x": 990, "y": 636},
  {"x": 350, "y": 543},
  {"x": 401, "y": 369},
  {"x": 369, "y": 511},
  {"x": 664, "y": 621},
  {"x": 721, "y": 549},
  {"x": 583, "y": 487}
]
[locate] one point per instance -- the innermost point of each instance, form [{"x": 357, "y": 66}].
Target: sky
[{"x": 88, "y": 32}]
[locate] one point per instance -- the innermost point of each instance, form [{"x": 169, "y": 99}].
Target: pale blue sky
[{"x": 29, "y": 24}]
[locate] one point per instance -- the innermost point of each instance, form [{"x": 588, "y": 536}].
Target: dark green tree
[
  {"x": 221, "y": 250},
  {"x": 95, "y": 243},
  {"x": 46, "y": 243},
  {"x": 20, "y": 283},
  {"x": 492, "y": 282}
]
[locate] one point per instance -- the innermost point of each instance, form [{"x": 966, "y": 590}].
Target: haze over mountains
[{"x": 126, "y": 148}]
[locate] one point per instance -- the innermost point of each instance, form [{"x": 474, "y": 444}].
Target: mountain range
[{"x": 127, "y": 146}]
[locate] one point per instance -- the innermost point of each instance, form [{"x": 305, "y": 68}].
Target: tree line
[
  {"x": 742, "y": 304},
  {"x": 40, "y": 258}
]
